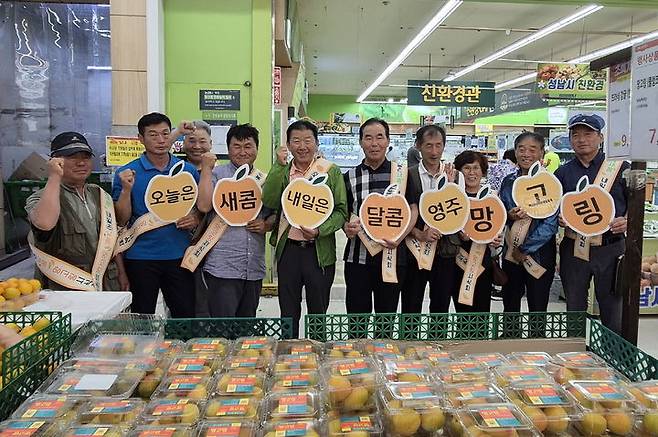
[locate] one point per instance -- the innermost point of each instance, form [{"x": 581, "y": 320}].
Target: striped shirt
[{"x": 359, "y": 182}]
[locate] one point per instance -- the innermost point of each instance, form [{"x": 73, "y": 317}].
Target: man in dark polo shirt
[{"x": 586, "y": 138}]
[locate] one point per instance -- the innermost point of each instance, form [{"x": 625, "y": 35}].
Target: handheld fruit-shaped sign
[
  {"x": 171, "y": 197},
  {"x": 385, "y": 216},
  {"x": 446, "y": 208},
  {"x": 538, "y": 193},
  {"x": 307, "y": 203},
  {"x": 237, "y": 200},
  {"x": 589, "y": 210},
  {"x": 487, "y": 217}
]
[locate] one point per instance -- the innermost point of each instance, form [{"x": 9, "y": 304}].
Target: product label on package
[
  {"x": 501, "y": 417},
  {"x": 233, "y": 407},
  {"x": 292, "y": 429},
  {"x": 91, "y": 431},
  {"x": 492, "y": 360},
  {"x": 355, "y": 367},
  {"x": 190, "y": 365},
  {"x": 206, "y": 345},
  {"x": 603, "y": 392},
  {"x": 293, "y": 405},
  {"x": 185, "y": 383},
  {"x": 476, "y": 391},
  {"x": 256, "y": 343},
  {"x": 533, "y": 359},
  {"x": 296, "y": 380},
  {"x": 356, "y": 423},
  {"x": 438, "y": 357},
  {"x": 239, "y": 384},
  {"x": 22, "y": 429},
  {"x": 580, "y": 358},
  {"x": 543, "y": 396},
  {"x": 301, "y": 349},
  {"x": 411, "y": 366},
  {"x": 343, "y": 346},
  {"x": 224, "y": 430},
  {"x": 416, "y": 392},
  {"x": 241, "y": 363},
  {"x": 170, "y": 408},
  {"x": 382, "y": 347},
  {"x": 463, "y": 367},
  {"x": 167, "y": 432},
  {"x": 523, "y": 375},
  {"x": 43, "y": 409},
  {"x": 118, "y": 407}
]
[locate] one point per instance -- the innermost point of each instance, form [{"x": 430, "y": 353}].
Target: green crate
[
  {"x": 453, "y": 326},
  {"x": 18, "y": 192},
  {"x": 228, "y": 327},
  {"x": 16, "y": 359}
]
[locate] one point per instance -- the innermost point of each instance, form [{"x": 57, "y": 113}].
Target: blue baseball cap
[{"x": 592, "y": 121}]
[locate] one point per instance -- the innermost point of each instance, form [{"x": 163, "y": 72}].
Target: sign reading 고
[
  {"x": 446, "y": 208},
  {"x": 385, "y": 216},
  {"x": 307, "y": 203},
  {"x": 171, "y": 197},
  {"x": 237, "y": 200},
  {"x": 487, "y": 217},
  {"x": 538, "y": 193},
  {"x": 589, "y": 210}
]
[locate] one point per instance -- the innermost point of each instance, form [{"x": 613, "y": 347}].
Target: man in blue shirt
[
  {"x": 576, "y": 273},
  {"x": 153, "y": 261}
]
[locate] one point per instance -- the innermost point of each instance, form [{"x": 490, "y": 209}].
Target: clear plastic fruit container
[
  {"x": 153, "y": 378},
  {"x": 297, "y": 362},
  {"x": 548, "y": 406},
  {"x": 47, "y": 407},
  {"x": 229, "y": 408},
  {"x": 529, "y": 358},
  {"x": 608, "y": 407},
  {"x": 163, "y": 431},
  {"x": 298, "y": 347},
  {"x": 648, "y": 423},
  {"x": 349, "y": 425},
  {"x": 646, "y": 393},
  {"x": 490, "y": 360},
  {"x": 412, "y": 350},
  {"x": 506, "y": 375},
  {"x": 111, "y": 411},
  {"x": 32, "y": 428},
  {"x": 207, "y": 345},
  {"x": 295, "y": 381},
  {"x": 343, "y": 349},
  {"x": 172, "y": 412},
  {"x": 184, "y": 387},
  {"x": 95, "y": 430},
  {"x": 436, "y": 357},
  {"x": 121, "y": 345},
  {"x": 102, "y": 382},
  {"x": 248, "y": 364},
  {"x": 408, "y": 371},
  {"x": 351, "y": 384},
  {"x": 470, "y": 393},
  {"x": 254, "y": 347},
  {"x": 580, "y": 359},
  {"x": 567, "y": 372},
  {"x": 194, "y": 365},
  {"x": 372, "y": 347},
  {"x": 411, "y": 409},
  {"x": 294, "y": 428},
  {"x": 500, "y": 420},
  {"x": 83, "y": 363},
  {"x": 170, "y": 348},
  {"x": 458, "y": 372},
  {"x": 286, "y": 406},
  {"x": 240, "y": 384},
  {"x": 236, "y": 428}
]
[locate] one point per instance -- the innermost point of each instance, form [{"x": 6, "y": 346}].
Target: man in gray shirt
[{"x": 235, "y": 267}]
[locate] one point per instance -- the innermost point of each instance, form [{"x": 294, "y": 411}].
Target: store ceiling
[{"x": 348, "y": 43}]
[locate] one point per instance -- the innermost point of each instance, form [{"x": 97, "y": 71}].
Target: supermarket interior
[{"x": 481, "y": 73}]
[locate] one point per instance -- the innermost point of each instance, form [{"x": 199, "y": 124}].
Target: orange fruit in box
[
  {"x": 24, "y": 287},
  {"x": 12, "y": 293}
]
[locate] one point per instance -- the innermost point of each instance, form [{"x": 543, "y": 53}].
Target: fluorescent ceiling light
[
  {"x": 440, "y": 17},
  {"x": 586, "y": 58},
  {"x": 541, "y": 33}
]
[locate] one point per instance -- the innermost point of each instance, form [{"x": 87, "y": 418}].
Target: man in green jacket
[{"x": 305, "y": 257}]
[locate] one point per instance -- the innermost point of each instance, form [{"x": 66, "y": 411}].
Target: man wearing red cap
[{"x": 73, "y": 227}]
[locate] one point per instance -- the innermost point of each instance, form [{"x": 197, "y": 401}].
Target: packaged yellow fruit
[
  {"x": 343, "y": 349},
  {"x": 248, "y": 364},
  {"x": 295, "y": 381},
  {"x": 163, "y": 431},
  {"x": 355, "y": 425},
  {"x": 296, "y": 362},
  {"x": 506, "y": 375},
  {"x": 120, "y": 345},
  {"x": 124, "y": 412},
  {"x": 241, "y": 384},
  {"x": 287, "y": 406},
  {"x": 351, "y": 383},
  {"x": 650, "y": 423},
  {"x": 25, "y": 287},
  {"x": 228, "y": 429},
  {"x": 36, "y": 284},
  {"x": 102, "y": 382},
  {"x": 412, "y": 349},
  {"x": 580, "y": 359},
  {"x": 217, "y": 346},
  {"x": 255, "y": 347},
  {"x": 172, "y": 412},
  {"x": 529, "y": 358},
  {"x": 412, "y": 409},
  {"x": 408, "y": 371},
  {"x": 435, "y": 357},
  {"x": 646, "y": 393},
  {"x": 489, "y": 360},
  {"x": 373, "y": 347},
  {"x": 459, "y": 395},
  {"x": 232, "y": 408},
  {"x": 294, "y": 428},
  {"x": 458, "y": 372},
  {"x": 11, "y": 293},
  {"x": 169, "y": 348},
  {"x": 36, "y": 427},
  {"x": 194, "y": 387},
  {"x": 194, "y": 365},
  {"x": 298, "y": 347},
  {"x": 497, "y": 420},
  {"x": 45, "y": 407},
  {"x": 564, "y": 373}
]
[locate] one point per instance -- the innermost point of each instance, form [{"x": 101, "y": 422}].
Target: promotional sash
[
  {"x": 213, "y": 233},
  {"x": 319, "y": 165},
  {"x": 73, "y": 277},
  {"x": 472, "y": 271},
  {"x": 515, "y": 238},
  {"x": 462, "y": 259},
  {"x": 605, "y": 178},
  {"x": 128, "y": 236}
]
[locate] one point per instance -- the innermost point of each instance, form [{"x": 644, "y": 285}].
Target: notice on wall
[
  {"x": 219, "y": 100},
  {"x": 644, "y": 103},
  {"x": 121, "y": 150},
  {"x": 618, "y": 143}
]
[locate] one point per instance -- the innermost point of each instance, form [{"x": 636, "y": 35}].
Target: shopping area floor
[{"x": 269, "y": 306}]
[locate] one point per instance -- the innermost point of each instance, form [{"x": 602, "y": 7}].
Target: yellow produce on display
[{"x": 15, "y": 293}]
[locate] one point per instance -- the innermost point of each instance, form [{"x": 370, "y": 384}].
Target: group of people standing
[{"x": 66, "y": 218}]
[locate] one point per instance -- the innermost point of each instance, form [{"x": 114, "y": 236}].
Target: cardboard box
[{"x": 34, "y": 167}]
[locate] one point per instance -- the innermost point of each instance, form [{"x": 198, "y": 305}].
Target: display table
[{"x": 83, "y": 305}]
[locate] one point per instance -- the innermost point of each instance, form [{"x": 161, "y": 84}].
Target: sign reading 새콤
[
  {"x": 644, "y": 94},
  {"x": 569, "y": 81},
  {"x": 121, "y": 150},
  {"x": 453, "y": 93}
]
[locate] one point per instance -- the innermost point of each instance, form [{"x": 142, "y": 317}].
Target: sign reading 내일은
[{"x": 307, "y": 203}]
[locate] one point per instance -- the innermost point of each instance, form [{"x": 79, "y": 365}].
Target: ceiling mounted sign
[{"x": 453, "y": 93}]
